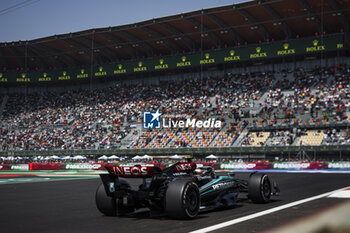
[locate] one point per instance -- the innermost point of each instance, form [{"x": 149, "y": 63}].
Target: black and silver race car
[{"x": 176, "y": 191}]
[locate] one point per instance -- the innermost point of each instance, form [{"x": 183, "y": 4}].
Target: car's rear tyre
[
  {"x": 259, "y": 188},
  {"x": 110, "y": 206},
  {"x": 104, "y": 203},
  {"x": 182, "y": 199}
]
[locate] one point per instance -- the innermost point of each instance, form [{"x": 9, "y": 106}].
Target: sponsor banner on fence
[
  {"x": 46, "y": 166},
  {"x": 245, "y": 165},
  {"x": 23, "y": 167},
  {"x": 338, "y": 165},
  {"x": 5, "y": 167},
  {"x": 84, "y": 166},
  {"x": 227, "y": 166},
  {"x": 260, "y": 165},
  {"x": 299, "y": 165}
]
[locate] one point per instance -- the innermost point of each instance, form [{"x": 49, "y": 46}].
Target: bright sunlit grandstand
[
  {"x": 274, "y": 81},
  {"x": 300, "y": 107},
  {"x": 231, "y": 118}
]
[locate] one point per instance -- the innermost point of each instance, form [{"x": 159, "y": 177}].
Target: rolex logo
[
  {"x": 232, "y": 53},
  {"x": 140, "y": 64},
  {"x": 23, "y": 75},
  {"x": 82, "y": 71},
  {"x": 315, "y": 42},
  {"x": 286, "y": 46},
  {"x": 120, "y": 66},
  {"x": 207, "y": 55},
  {"x": 64, "y": 73},
  {"x": 45, "y": 74},
  {"x": 258, "y": 49},
  {"x": 183, "y": 59},
  {"x": 101, "y": 68},
  {"x": 161, "y": 61}
]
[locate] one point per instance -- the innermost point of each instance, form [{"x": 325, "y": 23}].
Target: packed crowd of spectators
[
  {"x": 336, "y": 137},
  {"x": 101, "y": 118},
  {"x": 281, "y": 138},
  {"x": 322, "y": 93},
  {"x": 239, "y": 91}
]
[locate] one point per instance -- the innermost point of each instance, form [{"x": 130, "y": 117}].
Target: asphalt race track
[{"x": 69, "y": 206}]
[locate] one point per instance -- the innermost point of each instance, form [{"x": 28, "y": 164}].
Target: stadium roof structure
[{"x": 233, "y": 25}]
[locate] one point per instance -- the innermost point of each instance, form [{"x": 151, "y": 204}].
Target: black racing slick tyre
[
  {"x": 182, "y": 199},
  {"x": 104, "y": 203},
  {"x": 259, "y": 188},
  {"x": 110, "y": 206}
]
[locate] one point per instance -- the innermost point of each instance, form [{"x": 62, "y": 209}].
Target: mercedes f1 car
[{"x": 176, "y": 191}]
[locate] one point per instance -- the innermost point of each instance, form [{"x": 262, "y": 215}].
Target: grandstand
[
  {"x": 278, "y": 81},
  {"x": 311, "y": 137}
]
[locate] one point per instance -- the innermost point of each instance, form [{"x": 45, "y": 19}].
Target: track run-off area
[{"x": 32, "y": 203}]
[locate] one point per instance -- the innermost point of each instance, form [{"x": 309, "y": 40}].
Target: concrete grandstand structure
[{"x": 283, "y": 87}]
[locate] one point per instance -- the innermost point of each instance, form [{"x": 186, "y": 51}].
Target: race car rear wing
[
  {"x": 139, "y": 171},
  {"x": 181, "y": 168},
  {"x": 113, "y": 185},
  {"x": 136, "y": 171}
]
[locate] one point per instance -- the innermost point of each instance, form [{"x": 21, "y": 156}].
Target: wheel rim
[
  {"x": 266, "y": 188},
  {"x": 192, "y": 201}
]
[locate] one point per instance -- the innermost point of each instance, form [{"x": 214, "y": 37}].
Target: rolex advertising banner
[{"x": 224, "y": 56}]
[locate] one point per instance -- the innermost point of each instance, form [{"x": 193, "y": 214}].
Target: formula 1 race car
[{"x": 176, "y": 191}]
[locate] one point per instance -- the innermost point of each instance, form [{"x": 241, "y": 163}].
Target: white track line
[
  {"x": 262, "y": 213},
  {"x": 341, "y": 194}
]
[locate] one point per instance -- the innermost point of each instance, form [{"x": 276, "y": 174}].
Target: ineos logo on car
[
  {"x": 127, "y": 171},
  {"x": 184, "y": 167}
]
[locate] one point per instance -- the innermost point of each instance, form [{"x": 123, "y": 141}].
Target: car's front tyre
[{"x": 259, "y": 188}]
